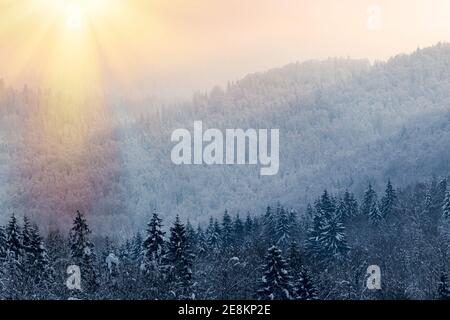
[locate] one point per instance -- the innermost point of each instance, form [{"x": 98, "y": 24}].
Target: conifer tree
[
  {"x": 179, "y": 261},
  {"x": 370, "y": 199},
  {"x": 446, "y": 206},
  {"x": 304, "y": 286},
  {"x": 153, "y": 245},
  {"x": 238, "y": 228},
  {"x": 388, "y": 200},
  {"x": 2, "y": 244},
  {"x": 248, "y": 224},
  {"x": 375, "y": 215},
  {"x": 82, "y": 253},
  {"x": 13, "y": 274},
  {"x": 283, "y": 229},
  {"x": 351, "y": 205},
  {"x": 276, "y": 280},
  {"x": 333, "y": 239},
  {"x": 443, "y": 287},
  {"x": 269, "y": 224},
  {"x": 227, "y": 231}
]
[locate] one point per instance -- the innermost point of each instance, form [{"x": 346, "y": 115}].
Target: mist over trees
[{"x": 343, "y": 123}]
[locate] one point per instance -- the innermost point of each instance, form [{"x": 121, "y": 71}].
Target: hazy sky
[{"x": 180, "y": 46}]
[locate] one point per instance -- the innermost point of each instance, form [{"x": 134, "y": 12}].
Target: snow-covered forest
[
  {"x": 343, "y": 123},
  {"x": 322, "y": 253},
  {"x": 88, "y": 181}
]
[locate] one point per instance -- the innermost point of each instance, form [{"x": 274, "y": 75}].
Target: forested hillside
[{"x": 343, "y": 124}]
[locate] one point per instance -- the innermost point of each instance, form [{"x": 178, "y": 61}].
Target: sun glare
[{"x": 74, "y": 17}]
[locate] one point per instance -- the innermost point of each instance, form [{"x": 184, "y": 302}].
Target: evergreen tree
[
  {"x": 13, "y": 239},
  {"x": 2, "y": 245},
  {"x": 238, "y": 227},
  {"x": 326, "y": 205},
  {"x": 269, "y": 224},
  {"x": 82, "y": 253},
  {"x": 179, "y": 261},
  {"x": 443, "y": 287},
  {"x": 294, "y": 258},
  {"x": 332, "y": 238},
  {"x": 276, "y": 281},
  {"x": 153, "y": 245},
  {"x": 248, "y": 224},
  {"x": 283, "y": 229},
  {"x": 388, "y": 200},
  {"x": 350, "y": 205},
  {"x": 13, "y": 279},
  {"x": 213, "y": 236},
  {"x": 375, "y": 215},
  {"x": 304, "y": 286},
  {"x": 136, "y": 247},
  {"x": 227, "y": 231},
  {"x": 42, "y": 276},
  {"x": 370, "y": 199},
  {"x": 446, "y": 206}
]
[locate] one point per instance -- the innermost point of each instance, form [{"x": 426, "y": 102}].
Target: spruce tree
[
  {"x": 43, "y": 274},
  {"x": 213, "y": 236},
  {"x": 443, "y": 287},
  {"x": 388, "y": 200},
  {"x": 283, "y": 229},
  {"x": 375, "y": 215},
  {"x": 227, "y": 231},
  {"x": 370, "y": 198},
  {"x": 82, "y": 253},
  {"x": 179, "y": 261},
  {"x": 304, "y": 288},
  {"x": 351, "y": 205},
  {"x": 153, "y": 245},
  {"x": 238, "y": 229},
  {"x": 13, "y": 280},
  {"x": 275, "y": 283},
  {"x": 446, "y": 206},
  {"x": 248, "y": 225},
  {"x": 332, "y": 238},
  {"x": 2, "y": 245},
  {"x": 269, "y": 225}
]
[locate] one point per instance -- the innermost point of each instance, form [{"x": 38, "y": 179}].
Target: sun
[{"x": 74, "y": 18}]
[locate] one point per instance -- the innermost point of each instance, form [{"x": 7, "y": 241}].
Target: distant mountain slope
[{"x": 342, "y": 123}]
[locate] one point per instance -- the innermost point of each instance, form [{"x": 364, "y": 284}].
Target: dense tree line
[{"x": 322, "y": 253}]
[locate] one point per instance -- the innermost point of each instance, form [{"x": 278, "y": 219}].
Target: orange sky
[{"x": 180, "y": 46}]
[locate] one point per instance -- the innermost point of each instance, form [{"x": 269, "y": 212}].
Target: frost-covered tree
[
  {"x": 375, "y": 215},
  {"x": 304, "y": 287},
  {"x": 350, "y": 206},
  {"x": 178, "y": 260},
  {"x": 269, "y": 225},
  {"x": 276, "y": 282},
  {"x": 333, "y": 238},
  {"x": 2, "y": 244},
  {"x": 443, "y": 287},
  {"x": 213, "y": 235},
  {"x": 227, "y": 231},
  {"x": 82, "y": 253},
  {"x": 446, "y": 206},
  {"x": 388, "y": 200},
  {"x": 369, "y": 201},
  {"x": 42, "y": 275},
  {"x": 13, "y": 275},
  {"x": 238, "y": 229},
  {"x": 153, "y": 245},
  {"x": 283, "y": 229}
]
